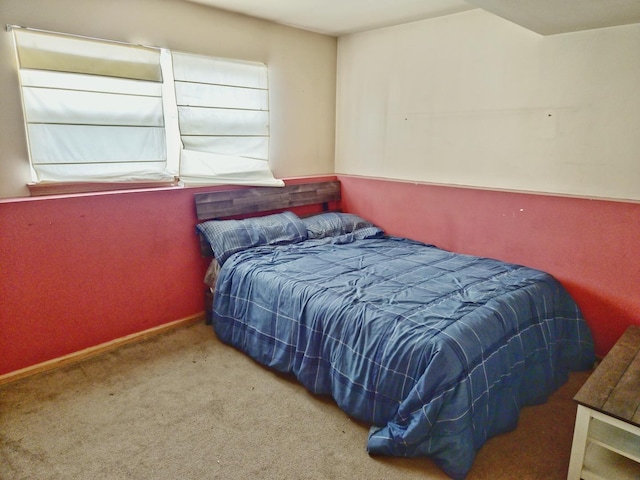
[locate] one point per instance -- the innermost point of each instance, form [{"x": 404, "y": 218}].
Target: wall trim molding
[
  {"x": 491, "y": 189},
  {"x": 100, "y": 349}
]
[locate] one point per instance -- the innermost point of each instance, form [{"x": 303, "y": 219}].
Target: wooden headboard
[{"x": 228, "y": 203}]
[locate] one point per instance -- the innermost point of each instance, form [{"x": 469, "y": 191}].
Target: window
[
  {"x": 100, "y": 111},
  {"x": 223, "y": 113}
]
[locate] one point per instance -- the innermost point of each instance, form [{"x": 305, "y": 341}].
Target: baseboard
[{"x": 100, "y": 349}]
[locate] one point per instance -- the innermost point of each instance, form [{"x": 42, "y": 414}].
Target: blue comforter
[{"x": 438, "y": 351}]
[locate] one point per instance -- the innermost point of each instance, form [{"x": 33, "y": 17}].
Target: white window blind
[
  {"x": 93, "y": 109},
  {"x": 100, "y": 111},
  {"x": 223, "y": 113}
]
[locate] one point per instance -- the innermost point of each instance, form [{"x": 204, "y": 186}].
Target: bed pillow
[
  {"x": 367, "y": 232},
  {"x": 227, "y": 237},
  {"x": 331, "y": 224}
]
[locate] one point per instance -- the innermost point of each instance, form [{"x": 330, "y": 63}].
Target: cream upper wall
[
  {"x": 302, "y": 70},
  {"x": 472, "y": 99}
]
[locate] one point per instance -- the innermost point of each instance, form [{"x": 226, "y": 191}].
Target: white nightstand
[{"x": 606, "y": 439}]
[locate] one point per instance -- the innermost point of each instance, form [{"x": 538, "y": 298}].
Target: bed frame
[{"x": 384, "y": 362}]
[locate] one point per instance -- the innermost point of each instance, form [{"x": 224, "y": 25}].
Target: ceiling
[
  {"x": 549, "y": 17},
  {"x": 341, "y": 17}
]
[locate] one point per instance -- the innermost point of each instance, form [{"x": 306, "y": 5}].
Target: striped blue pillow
[
  {"x": 332, "y": 224},
  {"x": 227, "y": 237}
]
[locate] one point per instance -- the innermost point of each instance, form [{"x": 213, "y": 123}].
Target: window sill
[{"x": 65, "y": 188}]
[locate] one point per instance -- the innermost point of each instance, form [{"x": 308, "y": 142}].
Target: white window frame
[{"x": 205, "y": 122}]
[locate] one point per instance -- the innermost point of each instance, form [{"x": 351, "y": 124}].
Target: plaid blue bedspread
[{"x": 438, "y": 351}]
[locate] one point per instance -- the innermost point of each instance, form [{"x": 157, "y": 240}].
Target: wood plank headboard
[{"x": 228, "y": 203}]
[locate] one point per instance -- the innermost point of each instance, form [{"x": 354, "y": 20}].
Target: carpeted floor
[{"x": 185, "y": 406}]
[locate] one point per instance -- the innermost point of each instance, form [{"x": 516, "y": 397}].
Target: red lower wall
[
  {"x": 83, "y": 270},
  {"x": 591, "y": 246}
]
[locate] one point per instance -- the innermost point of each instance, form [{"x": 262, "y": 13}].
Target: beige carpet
[{"x": 185, "y": 406}]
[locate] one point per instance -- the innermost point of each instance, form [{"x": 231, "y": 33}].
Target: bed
[{"x": 437, "y": 351}]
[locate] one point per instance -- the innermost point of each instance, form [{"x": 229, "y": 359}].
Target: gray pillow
[{"x": 332, "y": 224}]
